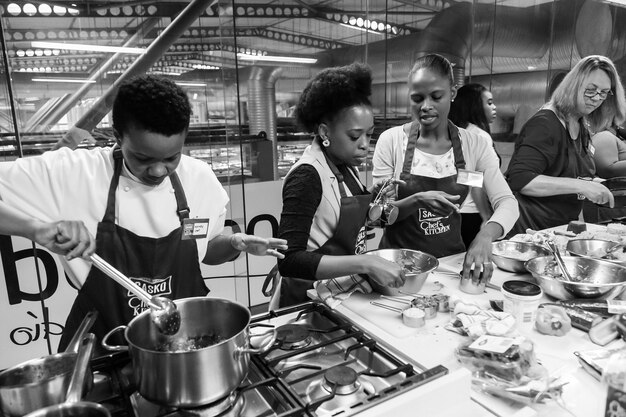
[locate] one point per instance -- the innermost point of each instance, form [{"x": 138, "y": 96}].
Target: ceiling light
[
  {"x": 86, "y": 47},
  {"x": 361, "y": 29},
  {"x": 616, "y": 2},
  {"x": 64, "y": 80},
  {"x": 273, "y": 58},
  {"x": 186, "y": 84}
]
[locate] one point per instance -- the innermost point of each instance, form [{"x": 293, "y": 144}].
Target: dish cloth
[
  {"x": 473, "y": 321},
  {"x": 333, "y": 291}
]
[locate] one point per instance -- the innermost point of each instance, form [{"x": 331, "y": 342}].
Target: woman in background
[
  {"x": 610, "y": 160},
  {"x": 437, "y": 160},
  {"x": 552, "y": 164},
  {"x": 610, "y": 153},
  {"x": 473, "y": 109},
  {"x": 324, "y": 202}
]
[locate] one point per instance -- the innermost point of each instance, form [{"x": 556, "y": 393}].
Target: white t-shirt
[{"x": 73, "y": 185}]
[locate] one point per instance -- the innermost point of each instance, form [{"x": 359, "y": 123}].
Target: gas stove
[{"x": 321, "y": 364}]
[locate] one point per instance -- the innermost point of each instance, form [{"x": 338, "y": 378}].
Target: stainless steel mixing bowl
[
  {"x": 595, "y": 249},
  {"x": 592, "y": 278},
  {"x": 417, "y": 266},
  {"x": 511, "y": 256}
]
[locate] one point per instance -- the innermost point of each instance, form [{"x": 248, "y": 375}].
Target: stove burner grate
[
  {"x": 229, "y": 406},
  {"x": 293, "y": 336},
  {"x": 343, "y": 380}
]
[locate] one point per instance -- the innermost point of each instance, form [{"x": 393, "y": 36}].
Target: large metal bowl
[
  {"x": 593, "y": 248},
  {"x": 593, "y": 278},
  {"x": 511, "y": 256},
  {"x": 417, "y": 266}
]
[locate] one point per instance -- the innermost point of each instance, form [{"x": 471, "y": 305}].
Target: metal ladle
[
  {"x": 163, "y": 311},
  {"x": 559, "y": 260}
]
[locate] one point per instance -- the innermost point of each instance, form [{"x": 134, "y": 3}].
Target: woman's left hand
[
  {"x": 478, "y": 265},
  {"x": 259, "y": 246}
]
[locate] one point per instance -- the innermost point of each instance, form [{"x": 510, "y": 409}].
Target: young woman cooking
[
  {"x": 437, "y": 160},
  {"x": 552, "y": 164},
  {"x": 155, "y": 212},
  {"x": 324, "y": 202}
]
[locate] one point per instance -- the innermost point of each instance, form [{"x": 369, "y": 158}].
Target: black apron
[
  {"x": 166, "y": 266},
  {"x": 540, "y": 213},
  {"x": 349, "y": 239},
  {"x": 423, "y": 230}
]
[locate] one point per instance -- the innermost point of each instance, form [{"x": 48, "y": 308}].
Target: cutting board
[
  {"x": 387, "y": 320},
  {"x": 391, "y": 321}
]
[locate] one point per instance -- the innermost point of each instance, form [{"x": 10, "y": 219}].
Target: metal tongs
[
  {"x": 380, "y": 196},
  {"x": 555, "y": 251},
  {"x": 548, "y": 241}
]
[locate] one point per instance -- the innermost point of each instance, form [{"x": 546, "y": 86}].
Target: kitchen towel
[
  {"x": 474, "y": 321},
  {"x": 334, "y": 291}
]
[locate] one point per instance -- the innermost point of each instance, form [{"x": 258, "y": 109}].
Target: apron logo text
[
  {"x": 431, "y": 223},
  {"x": 151, "y": 286}
]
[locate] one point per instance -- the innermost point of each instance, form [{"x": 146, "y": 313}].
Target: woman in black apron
[
  {"x": 325, "y": 205},
  {"x": 437, "y": 177},
  {"x": 166, "y": 266},
  {"x": 552, "y": 165}
]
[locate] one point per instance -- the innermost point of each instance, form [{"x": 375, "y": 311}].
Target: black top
[
  {"x": 540, "y": 149},
  {"x": 302, "y": 194},
  {"x": 544, "y": 147}
]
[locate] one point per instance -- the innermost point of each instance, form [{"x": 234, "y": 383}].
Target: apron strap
[
  {"x": 337, "y": 174},
  {"x": 182, "y": 208},
  {"x": 453, "y": 134},
  {"x": 118, "y": 160}
]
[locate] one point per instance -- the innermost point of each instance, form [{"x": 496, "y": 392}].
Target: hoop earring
[{"x": 326, "y": 143}]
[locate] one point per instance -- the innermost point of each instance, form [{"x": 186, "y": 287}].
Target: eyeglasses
[{"x": 592, "y": 92}]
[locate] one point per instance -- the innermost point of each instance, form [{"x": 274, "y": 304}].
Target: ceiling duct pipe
[
  {"x": 451, "y": 34},
  {"x": 142, "y": 64},
  {"x": 262, "y": 105},
  {"x": 501, "y": 38}
]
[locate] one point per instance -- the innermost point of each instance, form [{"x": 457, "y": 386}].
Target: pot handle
[
  {"x": 263, "y": 348},
  {"x": 116, "y": 348}
]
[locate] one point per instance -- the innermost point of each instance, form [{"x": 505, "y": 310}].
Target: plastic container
[
  {"x": 521, "y": 300},
  {"x": 510, "y": 360},
  {"x": 614, "y": 385},
  {"x": 469, "y": 286}
]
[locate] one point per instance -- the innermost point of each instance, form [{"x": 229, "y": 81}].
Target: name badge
[
  {"x": 195, "y": 229},
  {"x": 592, "y": 149},
  {"x": 470, "y": 178}
]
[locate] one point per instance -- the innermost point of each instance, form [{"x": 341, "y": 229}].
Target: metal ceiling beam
[
  {"x": 267, "y": 33},
  {"x": 309, "y": 12},
  {"x": 155, "y": 9},
  {"x": 175, "y": 29}
]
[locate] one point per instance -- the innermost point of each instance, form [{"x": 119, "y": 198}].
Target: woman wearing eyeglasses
[{"x": 552, "y": 166}]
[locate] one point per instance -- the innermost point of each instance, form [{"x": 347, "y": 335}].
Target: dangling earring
[{"x": 325, "y": 142}]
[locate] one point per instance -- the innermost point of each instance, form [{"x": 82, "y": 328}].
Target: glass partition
[{"x": 244, "y": 65}]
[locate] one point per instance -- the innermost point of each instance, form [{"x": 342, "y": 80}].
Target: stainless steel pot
[
  {"x": 73, "y": 406},
  {"x": 194, "y": 376},
  {"x": 41, "y": 382}
]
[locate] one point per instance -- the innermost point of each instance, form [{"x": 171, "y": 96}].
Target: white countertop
[{"x": 432, "y": 345}]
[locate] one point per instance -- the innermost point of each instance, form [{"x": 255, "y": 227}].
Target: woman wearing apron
[
  {"x": 324, "y": 202},
  {"x": 155, "y": 213},
  {"x": 552, "y": 164},
  {"x": 439, "y": 162}
]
